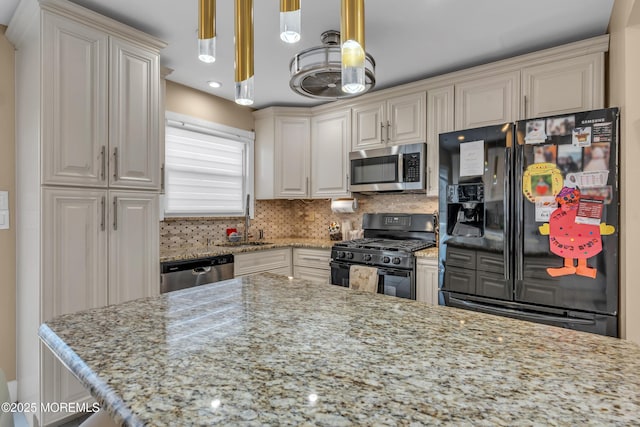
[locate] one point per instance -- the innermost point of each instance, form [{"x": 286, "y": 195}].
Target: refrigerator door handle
[
  {"x": 518, "y": 208},
  {"x": 506, "y": 249},
  {"x": 500, "y": 311}
]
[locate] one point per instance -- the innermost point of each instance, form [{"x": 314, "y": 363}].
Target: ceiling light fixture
[
  {"x": 290, "y": 20},
  {"x": 214, "y": 84},
  {"x": 244, "y": 51},
  {"x": 207, "y": 31},
  {"x": 353, "y": 50},
  {"x": 316, "y": 72}
]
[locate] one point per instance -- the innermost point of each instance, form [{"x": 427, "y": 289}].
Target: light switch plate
[
  {"x": 4, "y": 219},
  {"x": 4, "y": 200}
]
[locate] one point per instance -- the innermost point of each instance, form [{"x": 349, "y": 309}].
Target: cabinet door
[
  {"x": 406, "y": 119},
  {"x": 74, "y": 103},
  {"x": 368, "y": 126},
  {"x": 330, "y": 144},
  {"x": 564, "y": 86},
  {"x": 427, "y": 281},
  {"x": 292, "y": 157},
  {"x": 134, "y": 114},
  {"x": 487, "y": 101},
  {"x": 316, "y": 275},
  {"x": 439, "y": 120},
  {"x": 134, "y": 258},
  {"x": 74, "y": 275}
]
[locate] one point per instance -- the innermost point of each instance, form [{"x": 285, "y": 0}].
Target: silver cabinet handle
[
  {"x": 525, "y": 107},
  {"x": 388, "y": 126},
  {"x": 381, "y": 131},
  {"x": 104, "y": 214},
  {"x": 115, "y": 213},
  {"x": 307, "y": 188},
  {"x": 162, "y": 178},
  {"x": 347, "y": 182},
  {"x": 103, "y": 156},
  {"x": 115, "y": 163}
]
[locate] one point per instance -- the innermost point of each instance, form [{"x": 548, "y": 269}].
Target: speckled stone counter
[
  {"x": 427, "y": 253},
  {"x": 221, "y": 248},
  {"x": 264, "y": 350}
]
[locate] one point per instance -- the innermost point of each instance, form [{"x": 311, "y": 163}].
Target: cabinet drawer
[
  {"x": 486, "y": 261},
  {"x": 457, "y": 257},
  {"x": 314, "y": 258},
  {"x": 459, "y": 280},
  {"x": 492, "y": 285},
  {"x": 316, "y": 275},
  {"x": 261, "y": 261}
]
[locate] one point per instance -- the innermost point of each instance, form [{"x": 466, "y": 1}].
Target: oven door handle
[{"x": 394, "y": 272}]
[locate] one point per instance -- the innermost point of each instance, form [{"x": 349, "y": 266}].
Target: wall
[
  {"x": 192, "y": 102},
  {"x": 7, "y": 237},
  {"x": 288, "y": 218},
  {"x": 624, "y": 92}
]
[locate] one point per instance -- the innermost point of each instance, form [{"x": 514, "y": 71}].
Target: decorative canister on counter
[{"x": 334, "y": 231}]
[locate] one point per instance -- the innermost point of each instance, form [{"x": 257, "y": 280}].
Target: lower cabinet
[
  {"x": 427, "y": 280},
  {"x": 99, "y": 247},
  {"x": 312, "y": 264},
  {"x": 276, "y": 261}
]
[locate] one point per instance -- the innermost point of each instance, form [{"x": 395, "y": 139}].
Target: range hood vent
[{"x": 316, "y": 72}]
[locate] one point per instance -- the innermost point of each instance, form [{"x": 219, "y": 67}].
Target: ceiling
[{"x": 409, "y": 39}]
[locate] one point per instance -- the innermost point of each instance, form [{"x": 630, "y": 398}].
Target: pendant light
[
  {"x": 207, "y": 31},
  {"x": 353, "y": 49},
  {"x": 290, "y": 20},
  {"x": 244, "y": 51}
]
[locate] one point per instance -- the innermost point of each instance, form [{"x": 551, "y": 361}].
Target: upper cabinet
[
  {"x": 563, "y": 86},
  {"x": 301, "y": 156},
  {"x": 392, "y": 121},
  {"x": 440, "y": 119},
  {"x": 100, "y": 104},
  {"x": 487, "y": 100},
  {"x": 330, "y": 145}
]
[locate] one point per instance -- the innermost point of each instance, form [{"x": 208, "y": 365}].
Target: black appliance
[
  {"x": 388, "y": 244},
  {"x": 176, "y": 275},
  {"x": 529, "y": 220}
]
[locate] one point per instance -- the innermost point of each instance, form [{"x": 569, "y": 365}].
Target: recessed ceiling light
[{"x": 214, "y": 84}]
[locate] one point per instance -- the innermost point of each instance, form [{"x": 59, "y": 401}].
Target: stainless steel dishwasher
[{"x": 177, "y": 275}]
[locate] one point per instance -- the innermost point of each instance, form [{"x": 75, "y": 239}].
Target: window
[{"x": 208, "y": 168}]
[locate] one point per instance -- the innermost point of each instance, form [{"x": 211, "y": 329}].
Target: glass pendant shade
[
  {"x": 353, "y": 49},
  {"x": 290, "y": 20},
  {"x": 207, "y": 31},
  {"x": 244, "y": 51}
]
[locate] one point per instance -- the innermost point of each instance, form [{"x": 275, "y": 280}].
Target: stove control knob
[
  {"x": 367, "y": 257},
  {"x": 386, "y": 259},
  {"x": 340, "y": 254},
  {"x": 349, "y": 255},
  {"x": 396, "y": 260}
]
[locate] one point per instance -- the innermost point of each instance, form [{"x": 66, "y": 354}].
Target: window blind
[{"x": 205, "y": 174}]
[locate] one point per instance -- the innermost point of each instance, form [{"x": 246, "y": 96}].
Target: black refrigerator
[{"x": 529, "y": 220}]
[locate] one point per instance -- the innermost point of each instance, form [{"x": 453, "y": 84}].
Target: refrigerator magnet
[
  {"x": 545, "y": 207},
  {"x": 581, "y": 137},
  {"x": 541, "y": 180},
  {"x": 561, "y": 126},
  {"x": 535, "y": 132}
]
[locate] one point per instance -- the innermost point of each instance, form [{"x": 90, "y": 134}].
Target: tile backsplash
[{"x": 289, "y": 218}]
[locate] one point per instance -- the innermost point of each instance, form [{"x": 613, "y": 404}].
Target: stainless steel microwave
[{"x": 399, "y": 168}]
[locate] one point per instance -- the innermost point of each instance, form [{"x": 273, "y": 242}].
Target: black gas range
[{"x": 389, "y": 243}]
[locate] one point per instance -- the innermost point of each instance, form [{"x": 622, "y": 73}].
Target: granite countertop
[
  {"x": 267, "y": 350},
  {"x": 222, "y": 248}
]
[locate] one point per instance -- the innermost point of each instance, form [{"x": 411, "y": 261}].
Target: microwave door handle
[{"x": 400, "y": 177}]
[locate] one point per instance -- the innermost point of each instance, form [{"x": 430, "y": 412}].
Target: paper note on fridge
[{"x": 472, "y": 158}]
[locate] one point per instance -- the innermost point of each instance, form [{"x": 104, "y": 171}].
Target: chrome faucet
[{"x": 247, "y": 220}]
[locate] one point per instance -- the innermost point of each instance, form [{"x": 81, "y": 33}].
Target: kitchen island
[{"x": 267, "y": 350}]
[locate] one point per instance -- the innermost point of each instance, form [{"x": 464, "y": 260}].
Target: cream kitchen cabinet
[
  {"x": 330, "y": 145},
  {"x": 100, "y": 107},
  {"x": 312, "y": 264},
  {"x": 299, "y": 155},
  {"x": 87, "y": 121},
  {"x": 427, "y": 280},
  {"x": 440, "y": 118},
  {"x": 94, "y": 256},
  {"x": 276, "y": 261},
  {"x": 396, "y": 120},
  {"x": 487, "y": 100},
  {"x": 563, "y": 86}
]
